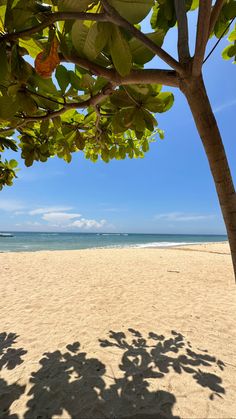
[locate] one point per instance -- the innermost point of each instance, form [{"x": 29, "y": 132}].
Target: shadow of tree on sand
[
  {"x": 73, "y": 385},
  {"x": 10, "y": 358}
]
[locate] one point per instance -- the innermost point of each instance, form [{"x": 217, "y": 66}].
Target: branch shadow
[
  {"x": 10, "y": 358},
  {"x": 73, "y": 384}
]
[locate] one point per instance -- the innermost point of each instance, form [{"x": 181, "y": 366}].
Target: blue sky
[{"x": 169, "y": 191}]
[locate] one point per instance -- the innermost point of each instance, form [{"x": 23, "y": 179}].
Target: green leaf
[
  {"x": 79, "y": 141},
  {"x": 74, "y": 80},
  {"x": 232, "y": 36},
  {"x": 120, "y": 52},
  {"x": 8, "y": 107},
  {"x": 13, "y": 164},
  {"x": 121, "y": 99},
  {"x": 229, "y": 9},
  {"x": 123, "y": 120},
  {"x": 96, "y": 39},
  {"x": 90, "y": 39},
  {"x": 149, "y": 119},
  {"x": 31, "y": 46},
  {"x": 27, "y": 103},
  {"x": 161, "y": 134},
  {"x": 169, "y": 9},
  {"x": 63, "y": 77},
  {"x": 80, "y": 36},
  {"x": 145, "y": 146},
  {"x": 221, "y": 26},
  {"x": 7, "y": 143},
  {"x": 94, "y": 42},
  {"x": 194, "y": 5},
  {"x": 154, "y": 104},
  {"x": 139, "y": 122},
  {"x": 163, "y": 16},
  {"x": 132, "y": 10},
  {"x": 167, "y": 101},
  {"x": 140, "y": 53},
  {"x": 229, "y": 52},
  {"x": 44, "y": 85},
  {"x": 4, "y": 67}
]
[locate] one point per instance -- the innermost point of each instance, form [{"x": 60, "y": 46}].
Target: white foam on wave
[
  {"x": 148, "y": 245},
  {"x": 163, "y": 244},
  {"x": 110, "y": 234}
]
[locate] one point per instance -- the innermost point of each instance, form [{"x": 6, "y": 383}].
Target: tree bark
[{"x": 195, "y": 92}]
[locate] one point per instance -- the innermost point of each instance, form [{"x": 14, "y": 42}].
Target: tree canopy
[{"x": 73, "y": 77}]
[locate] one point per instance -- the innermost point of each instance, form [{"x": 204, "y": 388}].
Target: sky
[{"x": 169, "y": 191}]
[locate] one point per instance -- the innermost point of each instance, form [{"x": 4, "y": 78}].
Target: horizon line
[{"x": 112, "y": 233}]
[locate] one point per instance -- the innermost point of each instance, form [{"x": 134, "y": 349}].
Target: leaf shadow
[
  {"x": 10, "y": 358},
  {"x": 75, "y": 383}
]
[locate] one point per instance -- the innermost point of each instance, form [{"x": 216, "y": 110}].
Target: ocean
[{"x": 30, "y": 242}]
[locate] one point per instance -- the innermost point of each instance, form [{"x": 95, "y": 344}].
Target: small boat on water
[{"x": 6, "y": 235}]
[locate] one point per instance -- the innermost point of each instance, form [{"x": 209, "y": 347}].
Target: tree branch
[
  {"x": 203, "y": 23},
  {"x": 94, "y": 68},
  {"x": 150, "y": 76},
  {"x": 52, "y": 18},
  {"x": 215, "y": 14},
  {"x": 183, "y": 47},
  {"x": 93, "y": 101},
  {"x": 166, "y": 77},
  {"x": 115, "y": 18},
  {"x": 44, "y": 97},
  {"x": 6, "y": 130}
]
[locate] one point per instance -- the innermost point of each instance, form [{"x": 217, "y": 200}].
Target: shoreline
[{"x": 122, "y": 247}]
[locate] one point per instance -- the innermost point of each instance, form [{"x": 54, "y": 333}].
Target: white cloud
[
  {"x": 224, "y": 106},
  {"x": 88, "y": 224},
  {"x": 56, "y": 217},
  {"x": 10, "y": 205},
  {"x": 179, "y": 216},
  {"x": 45, "y": 210},
  {"x": 68, "y": 220},
  {"x": 59, "y": 217}
]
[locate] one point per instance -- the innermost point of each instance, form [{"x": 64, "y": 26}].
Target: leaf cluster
[
  {"x": 230, "y": 51},
  {"x": 79, "y": 108}
]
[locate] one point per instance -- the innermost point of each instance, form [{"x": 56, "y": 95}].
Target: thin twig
[
  {"x": 94, "y": 100},
  {"x": 45, "y": 97},
  {"x": 183, "y": 47},
  {"x": 9, "y": 129},
  {"x": 52, "y": 18},
  {"x": 204, "y": 14}
]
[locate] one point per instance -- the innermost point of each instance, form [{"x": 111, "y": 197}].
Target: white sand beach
[{"x": 118, "y": 333}]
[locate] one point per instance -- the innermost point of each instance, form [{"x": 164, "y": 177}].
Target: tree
[{"x": 106, "y": 104}]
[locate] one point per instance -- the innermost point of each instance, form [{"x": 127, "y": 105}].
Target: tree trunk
[{"x": 195, "y": 92}]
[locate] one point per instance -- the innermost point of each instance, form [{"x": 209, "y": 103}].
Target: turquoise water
[{"x": 28, "y": 242}]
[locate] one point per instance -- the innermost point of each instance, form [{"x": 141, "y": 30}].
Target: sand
[{"x": 118, "y": 333}]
